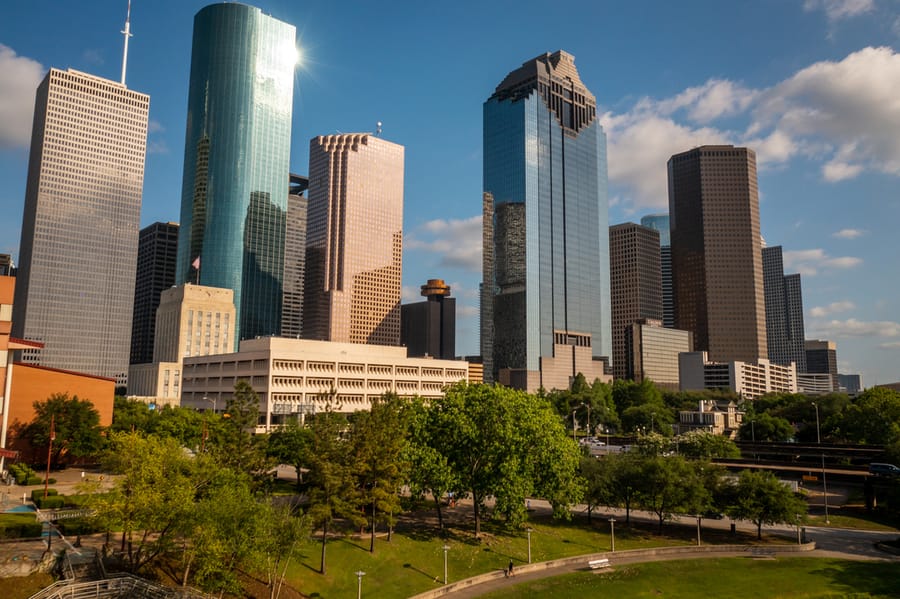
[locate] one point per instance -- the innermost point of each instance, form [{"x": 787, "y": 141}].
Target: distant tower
[
  {"x": 634, "y": 284},
  {"x": 354, "y": 244},
  {"x": 716, "y": 254},
  {"x": 821, "y": 358},
  {"x": 236, "y": 161},
  {"x": 157, "y": 251},
  {"x": 784, "y": 311},
  {"x": 75, "y": 288},
  {"x": 545, "y": 168},
  {"x": 660, "y": 222},
  {"x": 429, "y": 328},
  {"x": 294, "y": 257}
]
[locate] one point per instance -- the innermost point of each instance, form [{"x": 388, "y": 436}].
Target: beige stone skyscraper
[
  {"x": 716, "y": 252},
  {"x": 354, "y": 240},
  {"x": 78, "y": 256}
]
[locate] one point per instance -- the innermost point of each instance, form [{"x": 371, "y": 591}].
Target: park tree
[
  {"x": 599, "y": 484},
  {"x": 429, "y": 470},
  {"x": 152, "y": 498},
  {"x": 507, "y": 444},
  {"x": 233, "y": 443},
  {"x": 764, "y": 427},
  {"x": 873, "y": 418},
  {"x": 666, "y": 485},
  {"x": 625, "y": 472},
  {"x": 75, "y": 423},
  {"x": 331, "y": 482},
  {"x": 291, "y": 444},
  {"x": 647, "y": 418},
  {"x": 378, "y": 439},
  {"x": 706, "y": 445},
  {"x": 592, "y": 403},
  {"x": 627, "y": 394},
  {"x": 758, "y": 496}
]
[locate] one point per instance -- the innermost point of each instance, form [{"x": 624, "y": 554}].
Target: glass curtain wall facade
[
  {"x": 236, "y": 161},
  {"x": 660, "y": 222},
  {"x": 75, "y": 286},
  {"x": 545, "y": 168}
]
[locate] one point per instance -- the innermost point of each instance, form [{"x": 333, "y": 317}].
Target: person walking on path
[{"x": 509, "y": 571}]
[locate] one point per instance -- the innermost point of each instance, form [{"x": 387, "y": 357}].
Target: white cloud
[
  {"x": 836, "y": 10},
  {"x": 832, "y": 308},
  {"x": 457, "y": 241},
  {"x": 19, "y": 78},
  {"x": 856, "y": 328},
  {"x": 849, "y": 233},
  {"x": 409, "y": 294},
  {"x": 845, "y": 115},
  {"x": 809, "y": 262},
  {"x": 466, "y": 311},
  {"x": 890, "y": 345}
]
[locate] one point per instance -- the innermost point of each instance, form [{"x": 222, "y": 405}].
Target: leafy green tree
[
  {"x": 627, "y": 394},
  {"x": 151, "y": 499},
  {"x": 234, "y": 443},
  {"x": 706, "y": 445},
  {"x": 599, "y": 484},
  {"x": 592, "y": 404},
  {"x": 379, "y": 438},
  {"x": 648, "y": 417},
  {"x": 874, "y": 418},
  {"x": 291, "y": 445},
  {"x": 764, "y": 427},
  {"x": 76, "y": 426},
  {"x": 625, "y": 472},
  {"x": 758, "y": 496},
  {"x": 507, "y": 444},
  {"x": 429, "y": 469},
  {"x": 666, "y": 485},
  {"x": 331, "y": 487},
  {"x": 651, "y": 445}
]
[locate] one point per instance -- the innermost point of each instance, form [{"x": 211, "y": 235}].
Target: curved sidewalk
[{"x": 484, "y": 583}]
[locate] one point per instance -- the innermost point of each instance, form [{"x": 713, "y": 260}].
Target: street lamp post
[
  {"x": 612, "y": 533},
  {"x": 651, "y": 422},
  {"x": 590, "y": 434},
  {"x": 573, "y": 426},
  {"x": 446, "y": 549},
  {"x": 698, "y": 529},
  {"x": 528, "y": 530},
  {"x": 359, "y": 575},
  {"x": 824, "y": 481}
]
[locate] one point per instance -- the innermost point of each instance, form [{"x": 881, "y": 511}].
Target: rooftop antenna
[
  {"x": 127, "y": 34},
  {"x": 378, "y": 128}
]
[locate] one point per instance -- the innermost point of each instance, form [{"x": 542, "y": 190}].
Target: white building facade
[{"x": 750, "y": 380}]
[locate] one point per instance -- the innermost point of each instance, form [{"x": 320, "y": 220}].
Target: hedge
[
  {"x": 51, "y": 502},
  {"x": 18, "y": 526},
  {"x": 39, "y": 493}
]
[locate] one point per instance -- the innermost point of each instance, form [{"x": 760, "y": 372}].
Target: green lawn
[
  {"x": 413, "y": 561},
  {"x": 735, "y": 578}
]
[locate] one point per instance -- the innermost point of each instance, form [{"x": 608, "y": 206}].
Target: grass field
[
  {"x": 413, "y": 561},
  {"x": 735, "y": 578}
]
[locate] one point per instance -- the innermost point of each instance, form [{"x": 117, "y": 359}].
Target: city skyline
[{"x": 816, "y": 102}]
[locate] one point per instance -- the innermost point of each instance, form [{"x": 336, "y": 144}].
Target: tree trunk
[
  {"x": 324, "y": 536},
  {"x": 590, "y": 509},
  {"x": 372, "y": 537},
  {"x": 440, "y": 515},
  {"x": 477, "y": 509},
  {"x": 759, "y": 530}
]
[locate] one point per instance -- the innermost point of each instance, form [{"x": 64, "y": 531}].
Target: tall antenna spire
[{"x": 127, "y": 34}]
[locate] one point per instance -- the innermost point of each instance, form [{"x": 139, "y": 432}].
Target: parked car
[{"x": 879, "y": 469}]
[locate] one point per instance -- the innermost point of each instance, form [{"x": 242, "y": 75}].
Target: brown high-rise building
[
  {"x": 635, "y": 283},
  {"x": 78, "y": 254},
  {"x": 716, "y": 252},
  {"x": 354, "y": 240}
]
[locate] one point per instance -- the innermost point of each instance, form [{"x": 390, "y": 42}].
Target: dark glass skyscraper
[
  {"x": 545, "y": 168},
  {"x": 157, "y": 250},
  {"x": 784, "y": 311},
  {"x": 236, "y": 161},
  {"x": 660, "y": 222}
]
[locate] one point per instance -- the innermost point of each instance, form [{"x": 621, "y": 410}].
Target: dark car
[{"x": 883, "y": 469}]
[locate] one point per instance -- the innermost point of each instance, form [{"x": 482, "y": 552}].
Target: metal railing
[{"x": 114, "y": 587}]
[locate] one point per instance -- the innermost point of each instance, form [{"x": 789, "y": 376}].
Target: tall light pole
[
  {"x": 359, "y": 575},
  {"x": 573, "y": 426},
  {"x": 612, "y": 533},
  {"x": 590, "y": 434},
  {"x": 698, "y": 529},
  {"x": 824, "y": 482},
  {"x": 446, "y": 548},
  {"x": 528, "y": 530}
]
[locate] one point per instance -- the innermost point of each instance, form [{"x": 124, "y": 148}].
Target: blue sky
[{"x": 812, "y": 85}]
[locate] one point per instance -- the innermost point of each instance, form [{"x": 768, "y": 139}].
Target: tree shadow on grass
[
  {"x": 875, "y": 578},
  {"x": 420, "y": 571}
]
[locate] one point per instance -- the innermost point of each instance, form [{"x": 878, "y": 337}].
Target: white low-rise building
[
  {"x": 294, "y": 377},
  {"x": 750, "y": 380}
]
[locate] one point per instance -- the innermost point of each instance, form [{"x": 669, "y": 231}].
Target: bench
[{"x": 598, "y": 563}]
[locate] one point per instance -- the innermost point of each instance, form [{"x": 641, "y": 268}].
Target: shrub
[
  {"x": 51, "y": 481},
  {"x": 50, "y": 502},
  {"x": 18, "y": 526},
  {"x": 39, "y": 493},
  {"x": 78, "y": 526},
  {"x": 33, "y": 480}
]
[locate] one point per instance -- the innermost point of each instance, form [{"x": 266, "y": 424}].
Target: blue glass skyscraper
[
  {"x": 546, "y": 184},
  {"x": 236, "y": 161}
]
